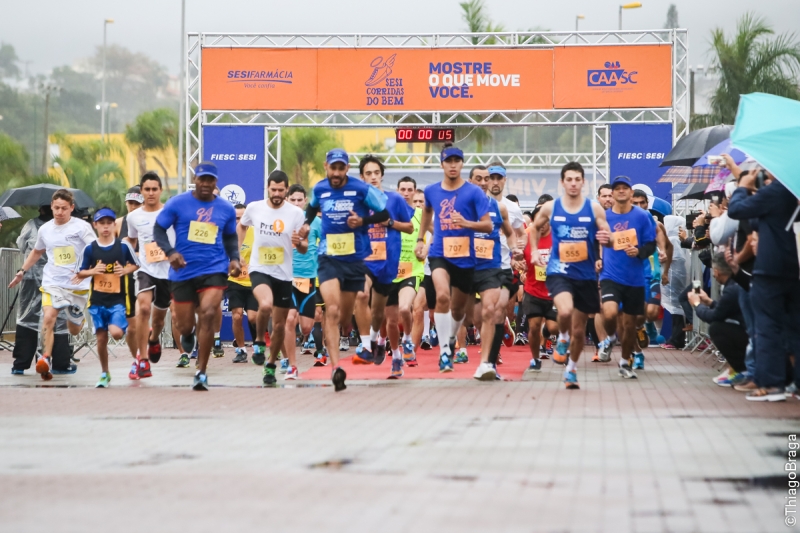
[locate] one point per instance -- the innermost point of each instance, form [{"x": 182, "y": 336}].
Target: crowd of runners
[{"x": 451, "y": 265}]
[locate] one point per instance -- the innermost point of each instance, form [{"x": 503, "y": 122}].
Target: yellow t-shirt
[{"x": 244, "y": 260}]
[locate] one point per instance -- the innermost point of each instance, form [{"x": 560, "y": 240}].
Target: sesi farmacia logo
[
  {"x": 613, "y": 75},
  {"x": 256, "y": 76}
]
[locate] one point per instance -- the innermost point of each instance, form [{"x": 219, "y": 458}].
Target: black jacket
[{"x": 726, "y": 309}]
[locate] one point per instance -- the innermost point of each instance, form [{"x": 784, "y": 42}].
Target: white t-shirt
[
  {"x": 516, "y": 220},
  {"x": 272, "y": 237},
  {"x": 140, "y": 226},
  {"x": 64, "y": 244}
]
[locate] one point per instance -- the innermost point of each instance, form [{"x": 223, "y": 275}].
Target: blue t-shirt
[
  {"x": 389, "y": 239},
  {"x": 497, "y": 222},
  {"x": 471, "y": 202},
  {"x": 577, "y": 231},
  {"x": 617, "y": 265},
  {"x": 305, "y": 265},
  {"x": 335, "y": 206},
  {"x": 201, "y": 259}
]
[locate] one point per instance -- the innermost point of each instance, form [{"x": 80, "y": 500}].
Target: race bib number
[
  {"x": 153, "y": 254},
  {"x": 245, "y": 272},
  {"x": 341, "y": 244},
  {"x": 203, "y": 232},
  {"x": 404, "y": 270},
  {"x": 624, "y": 239},
  {"x": 540, "y": 273},
  {"x": 484, "y": 248},
  {"x": 456, "y": 246},
  {"x": 573, "y": 252},
  {"x": 270, "y": 255},
  {"x": 302, "y": 284},
  {"x": 65, "y": 255},
  {"x": 108, "y": 283},
  {"x": 378, "y": 251}
]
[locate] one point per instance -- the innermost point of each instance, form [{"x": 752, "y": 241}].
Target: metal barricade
[
  {"x": 10, "y": 262},
  {"x": 699, "y": 334}
]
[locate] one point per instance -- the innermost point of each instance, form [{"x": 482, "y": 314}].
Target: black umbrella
[
  {"x": 42, "y": 194},
  {"x": 693, "y": 146},
  {"x": 695, "y": 191}
]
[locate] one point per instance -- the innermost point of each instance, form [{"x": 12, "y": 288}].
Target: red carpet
[{"x": 515, "y": 362}]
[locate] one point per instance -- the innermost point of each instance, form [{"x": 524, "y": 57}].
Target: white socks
[
  {"x": 444, "y": 329},
  {"x": 426, "y": 323},
  {"x": 397, "y": 354},
  {"x": 571, "y": 365},
  {"x": 563, "y": 336},
  {"x": 456, "y": 327},
  {"x": 406, "y": 337},
  {"x": 366, "y": 341},
  {"x": 373, "y": 335}
]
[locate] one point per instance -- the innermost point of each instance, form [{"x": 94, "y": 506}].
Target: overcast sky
[{"x": 50, "y": 33}]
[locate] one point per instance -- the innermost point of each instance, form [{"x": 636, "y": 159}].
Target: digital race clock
[{"x": 425, "y": 135}]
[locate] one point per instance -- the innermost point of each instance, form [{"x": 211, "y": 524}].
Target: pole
[
  {"x": 181, "y": 99},
  {"x": 103, "y": 85},
  {"x": 620, "y": 17},
  {"x": 691, "y": 93},
  {"x": 46, "y": 118}
]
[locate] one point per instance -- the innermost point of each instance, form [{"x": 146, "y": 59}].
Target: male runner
[
  {"x": 240, "y": 295},
  {"x": 455, "y": 210},
  {"x": 153, "y": 294},
  {"x": 606, "y": 200},
  {"x": 383, "y": 264},
  {"x": 622, "y": 280},
  {"x": 275, "y": 225},
  {"x": 576, "y": 225},
  {"x": 345, "y": 204},
  {"x": 133, "y": 201},
  {"x": 206, "y": 252},
  {"x": 62, "y": 238}
]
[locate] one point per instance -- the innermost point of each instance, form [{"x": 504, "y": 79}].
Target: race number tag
[
  {"x": 541, "y": 273},
  {"x": 378, "y": 251},
  {"x": 456, "y": 246},
  {"x": 484, "y": 248},
  {"x": 341, "y": 244},
  {"x": 302, "y": 284},
  {"x": 624, "y": 239},
  {"x": 270, "y": 255},
  {"x": 245, "y": 271},
  {"x": 573, "y": 252},
  {"x": 108, "y": 283},
  {"x": 203, "y": 232},
  {"x": 64, "y": 255},
  {"x": 404, "y": 270},
  {"x": 153, "y": 253}
]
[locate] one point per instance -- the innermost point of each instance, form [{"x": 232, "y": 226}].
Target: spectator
[
  {"x": 722, "y": 227},
  {"x": 678, "y": 280}
]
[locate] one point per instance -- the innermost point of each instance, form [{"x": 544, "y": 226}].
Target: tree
[
  {"x": 748, "y": 63},
  {"x": 14, "y": 158},
  {"x": 8, "y": 61},
  {"x": 672, "y": 17},
  {"x": 303, "y": 151},
  {"x": 155, "y": 130},
  {"x": 475, "y": 15}
]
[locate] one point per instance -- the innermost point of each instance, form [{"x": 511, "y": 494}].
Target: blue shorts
[
  {"x": 102, "y": 317},
  {"x": 351, "y": 276}
]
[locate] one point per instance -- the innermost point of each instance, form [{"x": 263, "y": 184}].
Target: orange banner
[{"x": 601, "y": 77}]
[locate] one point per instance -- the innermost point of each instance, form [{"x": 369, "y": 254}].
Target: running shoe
[
  {"x": 668, "y": 346},
  {"x": 269, "y": 375},
  {"x": 344, "y": 344},
  {"x": 425, "y": 343},
  {"x": 471, "y": 341},
  {"x": 144, "y": 369},
  {"x": 259, "y": 354},
  {"x": 266, "y": 338},
  {"x": 485, "y": 372},
  {"x": 626, "y": 371},
  {"x": 309, "y": 347},
  {"x": 154, "y": 351},
  {"x": 217, "y": 350},
  {"x": 772, "y": 394},
  {"x": 241, "y": 356},
  {"x": 105, "y": 379},
  {"x": 548, "y": 345},
  {"x": 739, "y": 378},
  {"x": 411, "y": 362},
  {"x": 71, "y": 369},
  {"x": 604, "y": 350},
  {"x": 183, "y": 361},
  {"x": 200, "y": 382},
  {"x": 379, "y": 351},
  {"x": 638, "y": 361},
  {"x": 43, "y": 368},
  {"x": 408, "y": 351},
  {"x": 284, "y": 365},
  {"x": 560, "y": 355},
  {"x": 747, "y": 386},
  {"x": 397, "y": 369},
  {"x": 321, "y": 359},
  {"x": 642, "y": 338},
  {"x": 461, "y": 357},
  {"x": 497, "y": 376},
  {"x": 134, "y": 372},
  {"x": 337, "y": 377},
  {"x": 543, "y": 354},
  {"x": 508, "y": 334},
  {"x": 17, "y": 372},
  {"x": 596, "y": 357},
  {"x": 445, "y": 363},
  {"x": 724, "y": 379},
  {"x": 521, "y": 340},
  {"x": 499, "y": 359},
  {"x": 363, "y": 356},
  {"x": 292, "y": 373},
  {"x": 571, "y": 380},
  {"x": 434, "y": 338},
  {"x": 535, "y": 365},
  {"x": 193, "y": 355},
  {"x": 187, "y": 343}
]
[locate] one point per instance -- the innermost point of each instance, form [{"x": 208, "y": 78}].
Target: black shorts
[
  {"x": 305, "y": 302},
  {"x": 430, "y": 291},
  {"x": 281, "y": 290},
  {"x": 533, "y": 307},
  {"x": 185, "y": 292},
  {"x": 162, "y": 295},
  {"x": 484, "y": 280},
  {"x": 654, "y": 293},
  {"x": 460, "y": 278},
  {"x": 394, "y": 293},
  {"x": 585, "y": 297},
  {"x": 381, "y": 288},
  {"x": 351, "y": 276},
  {"x": 130, "y": 292},
  {"x": 241, "y": 297},
  {"x": 631, "y": 298},
  {"x": 507, "y": 281}
]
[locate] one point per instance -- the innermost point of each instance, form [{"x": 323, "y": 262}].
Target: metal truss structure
[{"x": 513, "y": 160}]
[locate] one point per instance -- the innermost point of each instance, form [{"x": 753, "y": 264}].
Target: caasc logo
[
  {"x": 233, "y": 194},
  {"x": 613, "y": 75}
]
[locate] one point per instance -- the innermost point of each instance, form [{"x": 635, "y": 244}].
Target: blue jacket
[{"x": 772, "y": 206}]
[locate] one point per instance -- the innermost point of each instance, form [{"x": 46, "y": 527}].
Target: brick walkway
[{"x": 668, "y": 452}]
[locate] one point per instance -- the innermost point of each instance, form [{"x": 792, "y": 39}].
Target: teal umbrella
[{"x": 768, "y": 130}]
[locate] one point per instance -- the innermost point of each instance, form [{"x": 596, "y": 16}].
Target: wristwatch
[
  {"x": 21, "y": 270},
  {"x": 420, "y": 240},
  {"x": 391, "y": 223}
]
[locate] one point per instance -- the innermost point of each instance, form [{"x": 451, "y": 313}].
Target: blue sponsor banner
[
  {"x": 636, "y": 151},
  {"x": 238, "y": 152}
]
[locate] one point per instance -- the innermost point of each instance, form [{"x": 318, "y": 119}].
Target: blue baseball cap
[
  {"x": 337, "y": 155},
  {"x": 452, "y": 151},
  {"x": 624, "y": 180},
  {"x": 497, "y": 170},
  {"x": 206, "y": 169},
  {"x": 105, "y": 212}
]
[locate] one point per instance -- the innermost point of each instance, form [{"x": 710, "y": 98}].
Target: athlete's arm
[
  {"x": 536, "y": 231},
  {"x": 231, "y": 243},
  {"x": 427, "y": 216},
  {"x": 603, "y": 230},
  {"x": 668, "y": 250},
  {"x": 403, "y": 227},
  {"x": 31, "y": 260},
  {"x": 86, "y": 270},
  {"x": 174, "y": 257},
  {"x": 355, "y": 221},
  {"x": 484, "y": 225}
]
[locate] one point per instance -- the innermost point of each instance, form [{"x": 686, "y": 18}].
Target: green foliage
[
  {"x": 8, "y": 61},
  {"x": 303, "y": 150},
  {"x": 153, "y": 130},
  {"x": 14, "y": 158}
]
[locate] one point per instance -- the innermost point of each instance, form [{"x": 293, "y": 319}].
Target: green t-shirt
[{"x": 409, "y": 242}]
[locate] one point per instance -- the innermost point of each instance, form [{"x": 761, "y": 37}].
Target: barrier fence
[{"x": 10, "y": 262}]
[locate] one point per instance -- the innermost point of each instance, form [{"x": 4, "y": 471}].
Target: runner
[
  {"x": 108, "y": 262},
  {"x": 345, "y": 204},
  {"x": 61, "y": 238},
  {"x": 206, "y": 252},
  {"x": 240, "y": 295},
  {"x": 275, "y": 225},
  {"x": 455, "y": 210},
  {"x": 576, "y": 224},
  {"x": 606, "y": 200},
  {"x": 425, "y": 301},
  {"x": 153, "y": 295},
  {"x": 384, "y": 265},
  {"x": 133, "y": 201},
  {"x": 622, "y": 280}
]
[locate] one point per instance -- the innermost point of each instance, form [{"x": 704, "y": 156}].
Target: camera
[
  {"x": 761, "y": 177},
  {"x": 696, "y": 286}
]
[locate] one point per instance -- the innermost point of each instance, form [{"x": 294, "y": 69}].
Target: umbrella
[
  {"x": 691, "y": 147},
  {"x": 695, "y": 191},
  {"x": 42, "y": 194},
  {"x": 702, "y": 174},
  {"x": 725, "y": 147},
  {"x": 768, "y": 129},
  {"x": 6, "y": 213}
]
